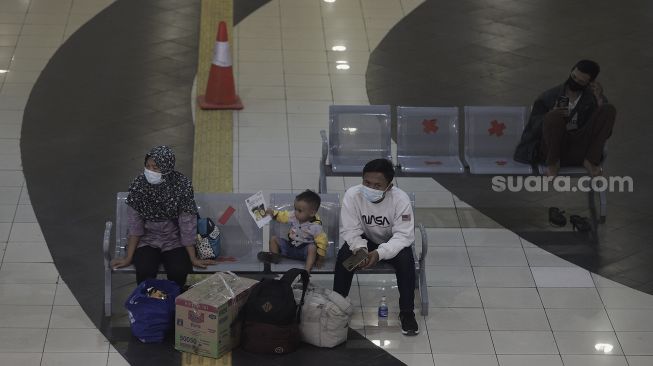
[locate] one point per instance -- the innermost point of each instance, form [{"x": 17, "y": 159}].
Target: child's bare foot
[
  {"x": 552, "y": 170},
  {"x": 594, "y": 170}
]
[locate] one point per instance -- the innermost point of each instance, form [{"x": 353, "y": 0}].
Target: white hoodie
[{"x": 389, "y": 223}]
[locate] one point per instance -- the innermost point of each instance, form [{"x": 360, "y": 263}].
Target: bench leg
[
  {"x": 603, "y": 206},
  {"x": 107, "y": 292},
  {"x": 423, "y": 291}
]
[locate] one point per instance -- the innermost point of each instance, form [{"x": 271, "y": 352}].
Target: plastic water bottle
[{"x": 383, "y": 311}]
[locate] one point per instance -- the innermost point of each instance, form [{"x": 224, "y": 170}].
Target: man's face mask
[
  {"x": 575, "y": 86},
  {"x": 373, "y": 195},
  {"x": 152, "y": 177}
]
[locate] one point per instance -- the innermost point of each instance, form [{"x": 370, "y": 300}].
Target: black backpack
[{"x": 272, "y": 316}]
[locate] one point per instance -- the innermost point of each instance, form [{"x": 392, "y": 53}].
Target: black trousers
[
  {"x": 403, "y": 263},
  {"x": 176, "y": 263}
]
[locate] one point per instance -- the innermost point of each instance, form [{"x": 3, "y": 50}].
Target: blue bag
[
  {"x": 208, "y": 241},
  {"x": 152, "y": 317}
]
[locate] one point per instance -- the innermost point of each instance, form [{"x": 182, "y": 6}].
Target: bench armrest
[
  {"x": 425, "y": 243},
  {"x": 105, "y": 243}
]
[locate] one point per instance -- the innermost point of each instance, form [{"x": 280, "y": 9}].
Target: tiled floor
[
  {"x": 494, "y": 298},
  {"x": 41, "y": 322}
]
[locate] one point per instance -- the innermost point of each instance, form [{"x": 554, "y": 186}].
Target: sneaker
[
  {"x": 268, "y": 257},
  {"x": 408, "y": 323}
]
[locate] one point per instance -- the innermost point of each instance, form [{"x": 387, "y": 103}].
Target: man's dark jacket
[{"x": 527, "y": 151}]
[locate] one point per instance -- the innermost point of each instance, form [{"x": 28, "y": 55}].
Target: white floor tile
[
  {"x": 601, "y": 281},
  {"x": 44, "y": 273},
  {"x": 446, "y": 237},
  {"x": 415, "y": 359},
  {"x": 615, "y": 297},
  {"x": 632, "y": 319},
  {"x": 517, "y": 319},
  {"x": 115, "y": 359},
  {"x": 636, "y": 343},
  {"x": 465, "y": 360},
  {"x": 26, "y": 232},
  {"x": 577, "y": 297},
  {"x": 303, "y": 55},
  {"x": 433, "y": 199},
  {"x": 391, "y": 339},
  {"x": 377, "y": 280},
  {"x": 276, "y": 120},
  {"x": 585, "y": 343},
  {"x": 503, "y": 277},
  {"x": 76, "y": 340},
  {"x": 456, "y": 319},
  {"x": 5, "y": 229},
  {"x": 491, "y": 238},
  {"x": 315, "y": 107},
  {"x": 64, "y": 296},
  {"x": 70, "y": 317},
  {"x": 21, "y": 340},
  {"x": 510, "y": 298},
  {"x": 27, "y": 294},
  {"x": 640, "y": 360},
  {"x": 371, "y": 295},
  {"x": 309, "y": 93},
  {"x": 501, "y": 257},
  {"x": 37, "y": 252},
  {"x": 24, "y": 316},
  {"x": 20, "y": 359},
  {"x": 530, "y": 360},
  {"x": 561, "y": 277},
  {"x": 593, "y": 360},
  {"x": 460, "y": 297},
  {"x": 11, "y": 178},
  {"x": 524, "y": 343},
  {"x": 592, "y": 320},
  {"x": 74, "y": 359},
  {"x": 447, "y": 256},
  {"x": 7, "y": 213},
  {"x": 305, "y": 80},
  {"x": 461, "y": 342},
  {"x": 9, "y": 195},
  {"x": 541, "y": 258},
  {"x": 460, "y": 276},
  {"x": 278, "y": 164}
]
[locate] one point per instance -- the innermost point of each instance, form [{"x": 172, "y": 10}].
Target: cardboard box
[{"x": 205, "y": 315}]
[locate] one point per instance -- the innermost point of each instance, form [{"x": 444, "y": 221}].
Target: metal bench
[
  {"x": 491, "y": 135},
  {"x": 330, "y": 215},
  {"x": 241, "y": 238},
  {"x": 427, "y": 140},
  {"x": 357, "y": 134}
]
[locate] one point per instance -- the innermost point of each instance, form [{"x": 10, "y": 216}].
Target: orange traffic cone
[{"x": 220, "y": 89}]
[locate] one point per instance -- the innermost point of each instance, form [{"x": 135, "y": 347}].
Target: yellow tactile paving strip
[{"x": 213, "y": 149}]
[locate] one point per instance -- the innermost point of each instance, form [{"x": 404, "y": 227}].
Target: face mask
[
  {"x": 152, "y": 177},
  {"x": 574, "y": 86},
  {"x": 373, "y": 195}
]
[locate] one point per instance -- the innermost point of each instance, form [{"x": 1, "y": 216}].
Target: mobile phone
[
  {"x": 563, "y": 101},
  {"x": 355, "y": 260}
]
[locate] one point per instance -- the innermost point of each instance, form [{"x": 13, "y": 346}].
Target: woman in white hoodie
[{"x": 377, "y": 217}]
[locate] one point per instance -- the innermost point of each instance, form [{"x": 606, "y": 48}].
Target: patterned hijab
[{"x": 166, "y": 200}]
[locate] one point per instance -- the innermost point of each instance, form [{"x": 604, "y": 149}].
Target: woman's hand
[
  {"x": 202, "y": 263},
  {"x": 120, "y": 262}
]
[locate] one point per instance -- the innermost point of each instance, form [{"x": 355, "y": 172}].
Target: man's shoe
[
  {"x": 268, "y": 257},
  {"x": 408, "y": 323}
]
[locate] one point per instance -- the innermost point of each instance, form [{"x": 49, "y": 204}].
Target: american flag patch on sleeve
[{"x": 405, "y": 217}]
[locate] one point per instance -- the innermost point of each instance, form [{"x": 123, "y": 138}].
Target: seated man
[
  {"x": 569, "y": 124},
  {"x": 377, "y": 217}
]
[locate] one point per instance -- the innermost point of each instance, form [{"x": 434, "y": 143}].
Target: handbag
[
  {"x": 325, "y": 317},
  {"x": 151, "y": 309},
  {"x": 207, "y": 245}
]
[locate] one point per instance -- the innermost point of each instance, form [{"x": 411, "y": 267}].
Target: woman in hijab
[{"x": 162, "y": 221}]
